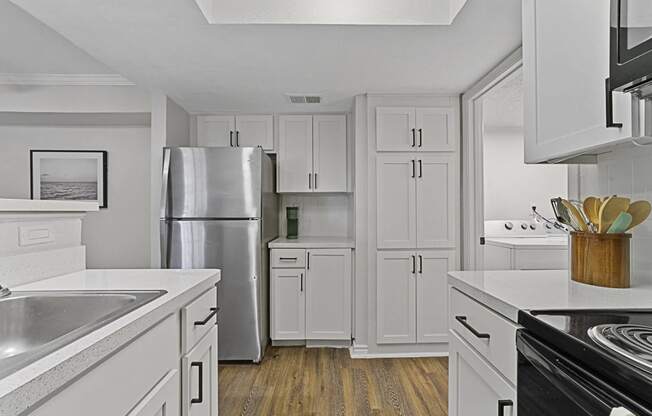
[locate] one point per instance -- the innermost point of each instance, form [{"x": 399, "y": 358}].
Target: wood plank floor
[{"x": 321, "y": 381}]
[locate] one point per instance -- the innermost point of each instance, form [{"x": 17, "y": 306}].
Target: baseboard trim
[{"x": 358, "y": 355}]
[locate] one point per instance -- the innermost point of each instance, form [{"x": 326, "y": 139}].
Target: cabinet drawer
[
  {"x": 489, "y": 333},
  {"x": 198, "y": 318},
  {"x": 288, "y": 258}
]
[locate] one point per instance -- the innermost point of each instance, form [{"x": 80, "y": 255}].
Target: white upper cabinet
[
  {"x": 312, "y": 154},
  {"x": 436, "y": 201},
  {"x": 565, "y": 64},
  {"x": 395, "y": 128},
  {"x": 215, "y": 131},
  {"x": 396, "y": 193},
  {"x": 254, "y": 131},
  {"x": 328, "y": 294},
  {"x": 329, "y": 153},
  {"x": 417, "y": 197},
  {"x": 295, "y": 154},
  {"x": 396, "y": 297},
  {"x": 435, "y": 129},
  {"x": 236, "y": 131},
  {"x": 428, "y": 129}
]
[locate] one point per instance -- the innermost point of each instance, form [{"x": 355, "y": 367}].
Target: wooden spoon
[
  {"x": 639, "y": 211},
  {"x": 610, "y": 210},
  {"x": 591, "y": 207},
  {"x": 575, "y": 215}
]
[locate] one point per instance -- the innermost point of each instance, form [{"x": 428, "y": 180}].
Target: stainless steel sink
[{"x": 34, "y": 324}]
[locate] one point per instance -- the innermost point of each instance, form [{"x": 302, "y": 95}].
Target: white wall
[
  {"x": 628, "y": 172},
  {"x": 116, "y": 237},
  {"x": 319, "y": 215},
  {"x": 511, "y": 187}
]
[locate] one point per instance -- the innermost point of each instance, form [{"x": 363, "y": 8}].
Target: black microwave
[{"x": 630, "y": 61}]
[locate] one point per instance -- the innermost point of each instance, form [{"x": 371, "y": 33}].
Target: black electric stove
[{"x": 585, "y": 362}]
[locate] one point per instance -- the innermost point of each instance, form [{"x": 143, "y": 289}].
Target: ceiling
[
  {"x": 29, "y": 46},
  {"x": 355, "y": 12},
  {"x": 503, "y": 106},
  {"x": 168, "y": 45}
]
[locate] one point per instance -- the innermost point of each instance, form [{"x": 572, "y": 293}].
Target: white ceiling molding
[
  {"x": 331, "y": 12},
  {"x": 64, "y": 79}
]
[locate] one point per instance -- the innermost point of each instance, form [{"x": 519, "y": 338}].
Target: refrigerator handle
[
  {"x": 164, "y": 244},
  {"x": 164, "y": 182}
]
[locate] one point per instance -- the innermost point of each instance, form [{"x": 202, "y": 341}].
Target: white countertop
[
  {"x": 507, "y": 292},
  {"x": 313, "y": 242},
  {"x": 24, "y": 388},
  {"x": 557, "y": 242},
  {"x": 34, "y": 205}
]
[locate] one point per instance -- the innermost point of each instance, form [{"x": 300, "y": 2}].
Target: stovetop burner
[{"x": 633, "y": 342}]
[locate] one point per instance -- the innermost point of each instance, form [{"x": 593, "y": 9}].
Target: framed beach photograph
[{"x": 78, "y": 175}]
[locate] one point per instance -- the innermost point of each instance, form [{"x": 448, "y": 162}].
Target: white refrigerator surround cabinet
[
  {"x": 565, "y": 101},
  {"x": 159, "y": 359},
  {"x": 312, "y": 153},
  {"x": 310, "y": 295},
  {"x": 240, "y": 130},
  {"x": 415, "y": 129}
]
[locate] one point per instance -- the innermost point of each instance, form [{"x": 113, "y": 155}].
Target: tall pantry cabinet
[{"x": 416, "y": 163}]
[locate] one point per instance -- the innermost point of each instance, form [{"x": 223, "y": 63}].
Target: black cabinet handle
[
  {"x": 310, "y": 181},
  {"x": 231, "y": 138},
  {"x": 288, "y": 258},
  {"x": 208, "y": 318},
  {"x": 420, "y": 263},
  {"x": 302, "y": 282},
  {"x": 462, "y": 320},
  {"x": 420, "y": 137},
  {"x": 414, "y": 264},
  {"x": 315, "y": 180},
  {"x": 308, "y": 261},
  {"x": 237, "y": 138},
  {"x": 420, "y": 169},
  {"x": 200, "y": 367},
  {"x": 414, "y": 137},
  {"x": 502, "y": 404},
  {"x": 413, "y": 168}
]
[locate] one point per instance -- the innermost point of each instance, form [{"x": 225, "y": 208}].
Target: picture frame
[{"x": 77, "y": 175}]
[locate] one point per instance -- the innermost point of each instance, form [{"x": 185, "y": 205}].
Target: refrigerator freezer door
[
  {"x": 212, "y": 182},
  {"x": 234, "y": 246}
]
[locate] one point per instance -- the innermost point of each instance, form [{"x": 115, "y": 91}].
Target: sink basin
[{"x": 34, "y": 324}]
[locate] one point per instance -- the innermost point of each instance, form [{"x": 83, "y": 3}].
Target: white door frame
[{"x": 472, "y": 165}]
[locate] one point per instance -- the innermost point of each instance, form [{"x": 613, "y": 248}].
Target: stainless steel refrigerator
[{"x": 219, "y": 210}]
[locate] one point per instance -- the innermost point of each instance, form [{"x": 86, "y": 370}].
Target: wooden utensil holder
[{"x": 600, "y": 259}]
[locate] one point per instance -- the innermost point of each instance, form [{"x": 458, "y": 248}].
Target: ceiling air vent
[{"x": 304, "y": 99}]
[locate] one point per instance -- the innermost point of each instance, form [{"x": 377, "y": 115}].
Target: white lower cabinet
[
  {"x": 412, "y": 296},
  {"x": 475, "y": 387},
  {"x": 163, "y": 400},
  {"x": 311, "y": 302},
  {"x": 199, "y": 373}
]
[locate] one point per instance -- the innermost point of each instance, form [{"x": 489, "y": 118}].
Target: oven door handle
[{"x": 578, "y": 385}]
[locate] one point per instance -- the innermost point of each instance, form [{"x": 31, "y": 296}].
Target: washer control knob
[
  {"x": 548, "y": 227},
  {"x": 533, "y": 227},
  {"x": 509, "y": 225},
  {"x": 523, "y": 226}
]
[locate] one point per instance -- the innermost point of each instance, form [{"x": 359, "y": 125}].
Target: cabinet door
[
  {"x": 564, "y": 100},
  {"x": 436, "y": 196},
  {"x": 199, "y": 378},
  {"x": 254, "y": 131},
  {"x": 432, "y": 294},
  {"x": 295, "y": 154},
  {"x": 396, "y": 297},
  {"x": 288, "y": 304},
  {"x": 395, "y": 129},
  {"x": 436, "y": 130},
  {"x": 474, "y": 387},
  {"x": 396, "y": 189},
  {"x": 329, "y": 153},
  {"x": 328, "y": 294},
  {"x": 162, "y": 400},
  {"x": 216, "y": 131}
]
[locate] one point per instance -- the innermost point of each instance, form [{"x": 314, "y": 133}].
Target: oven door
[
  {"x": 550, "y": 385},
  {"x": 630, "y": 43}
]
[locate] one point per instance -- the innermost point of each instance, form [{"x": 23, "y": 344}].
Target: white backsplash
[
  {"x": 319, "y": 215},
  {"x": 628, "y": 172}
]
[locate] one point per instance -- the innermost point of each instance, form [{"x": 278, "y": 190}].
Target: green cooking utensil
[{"x": 620, "y": 224}]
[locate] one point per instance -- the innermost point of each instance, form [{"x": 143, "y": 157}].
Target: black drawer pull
[
  {"x": 200, "y": 367},
  {"x": 462, "y": 320},
  {"x": 287, "y": 258},
  {"x": 502, "y": 404},
  {"x": 208, "y": 318}
]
